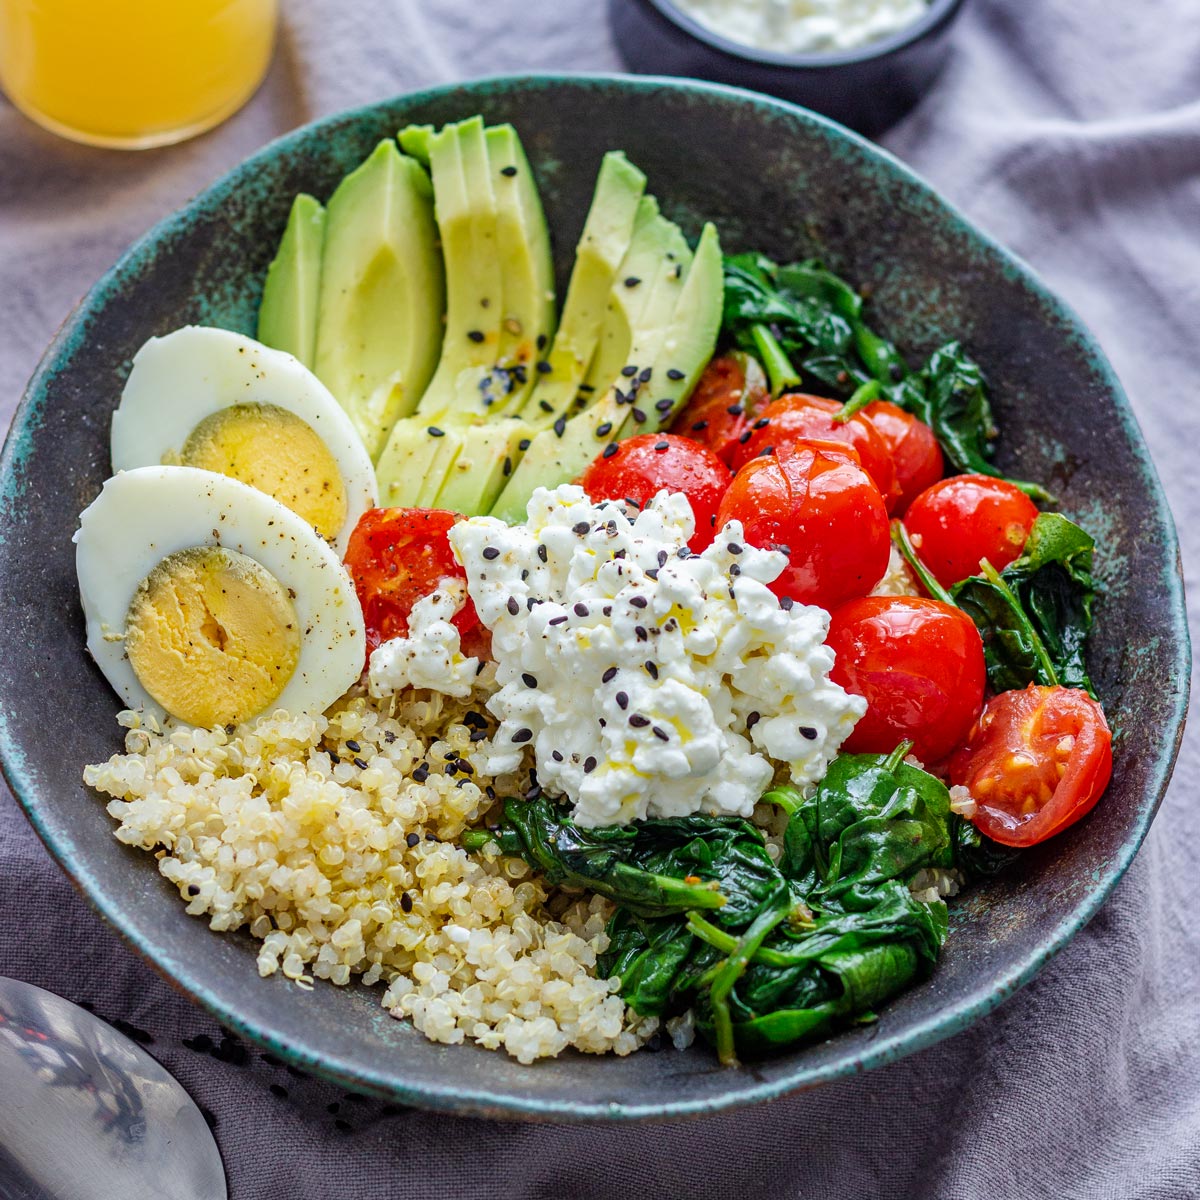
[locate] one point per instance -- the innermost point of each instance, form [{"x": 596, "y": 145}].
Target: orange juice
[{"x": 133, "y": 72}]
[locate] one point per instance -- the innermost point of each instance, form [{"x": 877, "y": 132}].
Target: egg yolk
[
  {"x": 276, "y": 452},
  {"x": 212, "y": 636}
]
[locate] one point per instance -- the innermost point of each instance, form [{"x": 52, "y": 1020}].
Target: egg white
[
  {"x": 145, "y": 514},
  {"x": 180, "y": 379}
]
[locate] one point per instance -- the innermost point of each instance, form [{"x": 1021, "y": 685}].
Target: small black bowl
[{"x": 867, "y": 88}]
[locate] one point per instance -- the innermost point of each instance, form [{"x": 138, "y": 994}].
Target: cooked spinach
[
  {"x": 1034, "y": 616},
  {"x": 776, "y": 952},
  {"x": 802, "y": 316}
]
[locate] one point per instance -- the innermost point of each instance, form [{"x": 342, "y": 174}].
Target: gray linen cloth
[{"x": 1071, "y": 130}]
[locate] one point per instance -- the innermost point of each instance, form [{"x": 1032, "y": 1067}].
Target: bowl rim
[
  {"x": 938, "y": 14},
  {"x": 474, "y": 1099}
]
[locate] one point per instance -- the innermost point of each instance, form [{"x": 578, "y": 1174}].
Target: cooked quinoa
[{"x": 331, "y": 839}]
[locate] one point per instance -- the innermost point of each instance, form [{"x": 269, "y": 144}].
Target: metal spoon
[{"x": 87, "y": 1115}]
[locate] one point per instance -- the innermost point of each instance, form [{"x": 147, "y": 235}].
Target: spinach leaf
[
  {"x": 765, "y": 953},
  {"x": 1034, "y": 616},
  {"x": 976, "y": 855}
]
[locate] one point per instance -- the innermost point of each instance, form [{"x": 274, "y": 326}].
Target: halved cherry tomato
[
  {"x": 797, "y": 417},
  {"x": 728, "y": 398},
  {"x": 642, "y": 466},
  {"x": 915, "y": 452},
  {"x": 821, "y": 509},
  {"x": 1036, "y": 761},
  {"x": 960, "y": 520},
  {"x": 395, "y": 557},
  {"x": 919, "y": 665}
]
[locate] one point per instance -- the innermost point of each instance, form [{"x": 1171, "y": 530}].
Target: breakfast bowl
[
  {"x": 773, "y": 177},
  {"x": 868, "y": 87}
]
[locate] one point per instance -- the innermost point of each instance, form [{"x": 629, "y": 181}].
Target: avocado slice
[
  {"x": 487, "y": 459},
  {"x": 673, "y": 343},
  {"x": 287, "y": 316},
  {"x": 606, "y": 237},
  {"x": 465, "y": 205},
  {"x": 526, "y": 266},
  {"x": 379, "y": 319},
  {"x": 416, "y": 462}
]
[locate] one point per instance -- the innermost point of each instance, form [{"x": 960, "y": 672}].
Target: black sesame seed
[
  {"x": 451, "y": 768},
  {"x": 661, "y": 446},
  {"x": 651, "y": 669},
  {"x": 533, "y": 793},
  {"x": 753, "y": 719},
  {"x": 475, "y": 335},
  {"x": 638, "y": 721},
  {"x": 513, "y": 607},
  {"x": 465, "y": 767},
  {"x": 734, "y": 548},
  {"x": 604, "y": 429},
  {"x": 560, "y": 426},
  {"x": 546, "y": 406},
  {"x": 360, "y": 763},
  {"x": 664, "y": 405},
  {"x": 580, "y": 528},
  {"x": 735, "y": 410},
  {"x": 421, "y": 773},
  {"x": 541, "y": 341},
  {"x": 807, "y": 731},
  {"x": 522, "y": 735},
  {"x": 556, "y": 755},
  {"x": 611, "y": 448},
  {"x": 652, "y": 573},
  {"x": 684, "y": 552},
  {"x": 434, "y": 431},
  {"x": 524, "y": 444},
  {"x": 662, "y": 558},
  {"x": 193, "y": 890},
  {"x": 644, "y": 374},
  {"x": 352, "y": 745},
  {"x": 531, "y": 602},
  {"x": 622, "y": 700},
  {"x": 510, "y": 171},
  {"x": 660, "y": 733},
  {"x": 766, "y": 452},
  {"x": 629, "y": 371},
  {"x": 406, "y": 902},
  {"x": 530, "y": 681},
  {"x": 734, "y": 569},
  {"x": 786, "y": 602},
  {"x": 609, "y": 675},
  {"x": 543, "y": 367},
  {"x": 632, "y": 281},
  {"x": 475, "y": 719},
  {"x": 491, "y": 552},
  {"x": 674, "y": 373},
  {"x": 589, "y": 765},
  {"x": 641, "y": 633},
  {"x": 697, "y": 426},
  {"x": 639, "y": 416},
  {"x": 541, "y": 552},
  {"x": 556, "y": 620},
  {"x": 586, "y": 387},
  {"x": 638, "y": 601},
  {"x": 477, "y": 735},
  {"x": 761, "y": 423},
  {"x": 745, "y": 437},
  {"x": 507, "y": 465},
  {"x": 581, "y": 610}
]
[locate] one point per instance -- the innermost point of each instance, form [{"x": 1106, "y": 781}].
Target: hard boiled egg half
[
  {"x": 208, "y": 600},
  {"x": 216, "y": 400}
]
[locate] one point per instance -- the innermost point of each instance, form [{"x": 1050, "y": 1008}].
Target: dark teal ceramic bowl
[{"x": 772, "y": 177}]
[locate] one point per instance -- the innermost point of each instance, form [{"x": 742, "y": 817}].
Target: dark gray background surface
[{"x": 1069, "y": 129}]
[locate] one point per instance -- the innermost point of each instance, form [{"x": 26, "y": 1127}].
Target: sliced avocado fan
[
  {"x": 287, "y": 317},
  {"x": 673, "y": 338}
]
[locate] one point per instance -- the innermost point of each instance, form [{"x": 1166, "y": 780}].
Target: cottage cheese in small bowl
[{"x": 804, "y": 26}]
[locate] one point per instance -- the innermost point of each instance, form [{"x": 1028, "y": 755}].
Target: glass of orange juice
[{"x": 133, "y": 73}]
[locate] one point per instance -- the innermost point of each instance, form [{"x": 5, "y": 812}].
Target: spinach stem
[
  {"x": 475, "y": 840},
  {"x": 779, "y": 367},
  {"x": 896, "y": 757},
  {"x": 1039, "y": 647},
  {"x": 863, "y": 395},
  {"x": 727, "y": 943},
  {"x": 931, "y": 585}
]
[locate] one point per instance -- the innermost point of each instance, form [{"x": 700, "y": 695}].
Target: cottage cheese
[
  {"x": 431, "y": 655},
  {"x": 802, "y": 26},
  {"x": 647, "y": 681}
]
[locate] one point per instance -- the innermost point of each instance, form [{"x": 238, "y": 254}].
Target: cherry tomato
[
  {"x": 919, "y": 665},
  {"x": 642, "y": 466},
  {"x": 397, "y": 555},
  {"x": 915, "y": 452},
  {"x": 797, "y": 417},
  {"x": 1036, "y": 761},
  {"x": 824, "y": 511},
  {"x": 728, "y": 398},
  {"x": 963, "y": 519}
]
